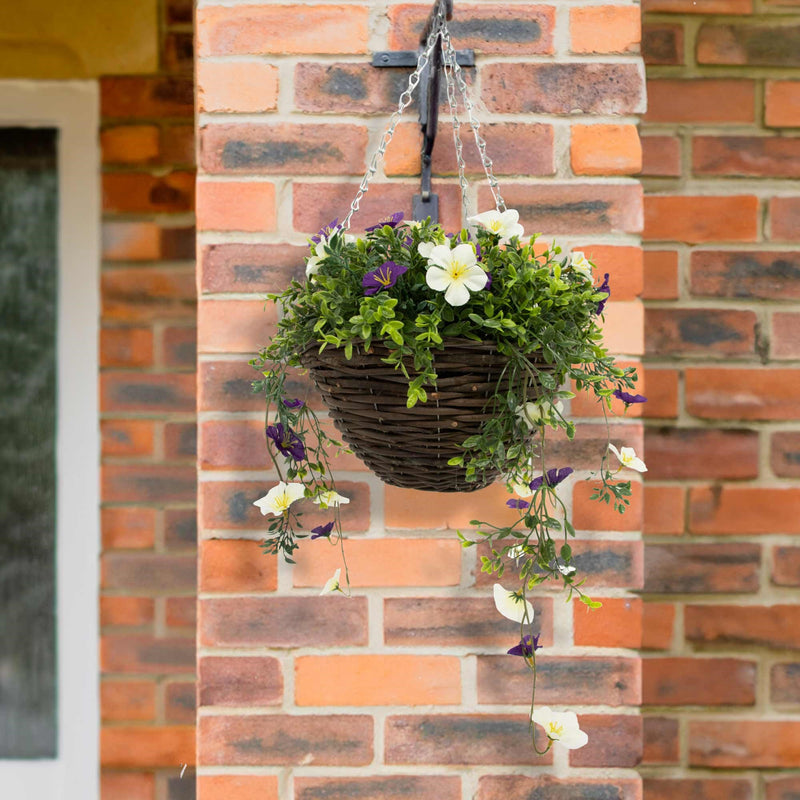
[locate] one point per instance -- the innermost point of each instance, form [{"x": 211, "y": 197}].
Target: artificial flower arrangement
[{"x": 406, "y": 294}]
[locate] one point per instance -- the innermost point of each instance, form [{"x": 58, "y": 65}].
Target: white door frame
[{"x": 73, "y": 108}]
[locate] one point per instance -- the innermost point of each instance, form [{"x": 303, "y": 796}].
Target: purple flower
[
  {"x": 488, "y": 282},
  {"x": 322, "y": 531},
  {"x": 604, "y": 287},
  {"x": 296, "y": 403},
  {"x": 552, "y": 477},
  {"x": 393, "y": 220},
  {"x": 527, "y": 646},
  {"x": 287, "y": 441},
  {"x": 326, "y": 231},
  {"x": 382, "y": 278},
  {"x": 629, "y": 398},
  {"x": 516, "y": 503}
]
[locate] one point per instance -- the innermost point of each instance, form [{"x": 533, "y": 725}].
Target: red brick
[
  {"x": 283, "y": 149},
  {"x": 283, "y": 621},
  {"x": 236, "y": 206},
  {"x": 147, "y": 746},
  {"x": 693, "y": 7},
  {"x": 250, "y": 267},
  {"x": 130, "y": 144},
  {"x": 245, "y": 30},
  {"x": 661, "y": 742},
  {"x": 236, "y": 565},
  {"x": 700, "y": 100},
  {"x": 751, "y": 45},
  {"x": 145, "y": 96},
  {"x": 145, "y": 294},
  {"x": 237, "y": 787},
  {"x": 785, "y": 683},
  {"x": 658, "y": 621},
  {"x": 522, "y": 787},
  {"x": 661, "y": 156},
  {"x": 181, "y": 612},
  {"x": 148, "y": 483},
  {"x": 660, "y": 275},
  {"x": 244, "y": 681},
  {"x": 126, "y": 611},
  {"x": 137, "y": 193},
  {"x": 614, "y": 741},
  {"x": 180, "y": 529},
  {"x": 662, "y": 44},
  {"x": 744, "y": 510},
  {"x": 180, "y": 704},
  {"x": 568, "y": 680},
  {"x": 664, "y": 510},
  {"x": 617, "y": 623},
  {"x": 742, "y": 744},
  {"x": 624, "y": 264},
  {"x": 786, "y": 566},
  {"x": 147, "y": 654},
  {"x": 785, "y": 339},
  {"x": 662, "y": 393},
  {"x": 127, "y": 785},
  {"x": 605, "y": 29},
  {"x": 482, "y": 738},
  {"x": 605, "y": 149},
  {"x": 483, "y": 28},
  {"x": 146, "y": 241},
  {"x": 782, "y": 104},
  {"x": 316, "y": 204},
  {"x": 234, "y": 326},
  {"x": 281, "y": 739},
  {"x": 768, "y": 275},
  {"x": 746, "y": 156},
  {"x": 126, "y": 347},
  {"x": 128, "y": 528},
  {"x": 785, "y": 454},
  {"x": 239, "y": 86},
  {"x": 179, "y": 347},
  {"x": 743, "y": 393},
  {"x": 779, "y": 788},
  {"x": 377, "y": 680},
  {"x": 384, "y": 787},
  {"x": 533, "y": 88},
  {"x": 592, "y": 515},
  {"x": 154, "y": 393},
  {"x": 699, "y": 332},
  {"x": 457, "y": 621},
  {"x": 702, "y": 568},
  {"x": 177, "y": 144},
  {"x": 227, "y": 386},
  {"x": 698, "y": 788},
  {"x": 699, "y": 219},
  {"x": 148, "y": 572},
  {"x": 776, "y": 626},
  {"x": 126, "y": 437},
  {"x": 784, "y": 213},
  {"x": 698, "y": 682}
]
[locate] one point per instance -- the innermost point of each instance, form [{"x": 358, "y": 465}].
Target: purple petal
[
  {"x": 488, "y": 281},
  {"x": 326, "y": 231},
  {"x": 286, "y": 441},
  {"x": 393, "y": 220},
  {"x": 516, "y": 503},
  {"x": 551, "y": 478},
  {"x": 322, "y": 531},
  {"x": 604, "y": 287},
  {"x": 527, "y": 646},
  {"x": 296, "y": 403},
  {"x": 383, "y": 277},
  {"x": 629, "y": 398}
]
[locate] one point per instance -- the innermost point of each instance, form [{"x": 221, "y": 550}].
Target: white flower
[
  {"x": 319, "y": 251},
  {"x": 455, "y": 272},
  {"x": 425, "y": 248},
  {"x": 278, "y": 499},
  {"x": 581, "y": 264},
  {"x": 512, "y": 605},
  {"x": 628, "y": 458},
  {"x": 566, "y": 571},
  {"x": 541, "y": 412},
  {"x": 561, "y": 727},
  {"x": 516, "y": 552},
  {"x": 330, "y": 498},
  {"x": 520, "y": 489},
  {"x": 506, "y": 223},
  {"x": 332, "y": 584},
  {"x": 413, "y": 224}
]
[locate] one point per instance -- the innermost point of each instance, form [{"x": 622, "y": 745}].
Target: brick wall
[
  {"x": 402, "y": 690},
  {"x": 722, "y": 209},
  {"x": 147, "y": 602}
]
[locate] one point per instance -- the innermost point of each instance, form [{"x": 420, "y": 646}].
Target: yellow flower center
[
  {"x": 456, "y": 270},
  {"x": 495, "y": 225},
  {"x": 384, "y": 278},
  {"x": 282, "y": 502},
  {"x": 555, "y": 730}
]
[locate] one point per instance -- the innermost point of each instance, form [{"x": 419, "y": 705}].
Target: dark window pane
[{"x": 28, "y": 315}]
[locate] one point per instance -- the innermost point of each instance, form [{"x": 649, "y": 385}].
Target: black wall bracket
[{"x": 426, "y": 203}]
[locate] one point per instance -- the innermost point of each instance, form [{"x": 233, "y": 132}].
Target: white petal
[
  {"x": 475, "y": 278},
  {"x": 457, "y": 294},
  {"x": 485, "y": 219},
  {"x": 437, "y": 279},
  {"x": 332, "y": 584},
  {"x": 510, "y": 216},
  {"x": 511, "y": 606},
  {"x": 465, "y": 254},
  {"x": 424, "y": 248},
  {"x": 441, "y": 255},
  {"x": 573, "y": 740}
]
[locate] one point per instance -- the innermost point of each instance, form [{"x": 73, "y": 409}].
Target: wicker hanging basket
[{"x": 410, "y": 447}]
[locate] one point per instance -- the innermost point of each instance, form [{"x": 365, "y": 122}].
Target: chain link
[{"x": 452, "y": 102}]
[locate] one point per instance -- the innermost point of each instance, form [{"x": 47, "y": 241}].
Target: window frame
[{"x": 72, "y": 107}]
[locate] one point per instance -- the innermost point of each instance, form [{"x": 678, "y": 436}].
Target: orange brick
[
  {"x": 126, "y": 437},
  {"x": 592, "y": 515},
  {"x": 661, "y": 156},
  {"x": 234, "y": 326},
  {"x": 664, "y": 508},
  {"x": 236, "y": 565},
  {"x": 139, "y": 193},
  {"x": 623, "y": 327},
  {"x": 382, "y": 562},
  {"x": 130, "y": 144},
  {"x": 660, "y": 275},
  {"x": 739, "y": 510},
  {"x": 662, "y": 393},
  {"x": 230, "y": 30},
  {"x": 128, "y": 701},
  {"x": 618, "y": 623},
  {"x": 235, "y": 206},
  {"x": 127, "y": 785},
  {"x": 782, "y": 104},
  {"x": 605, "y": 29},
  {"x": 623, "y": 264},
  {"x": 237, "y": 787},
  {"x": 128, "y": 611},
  {"x": 699, "y": 6},
  {"x": 147, "y": 746},
  {"x": 701, "y": 219},
  {"x": 126, "y": 347},
  {"x": 128, "y": 528},
  {"x": 658, "y": 620},
  {"x": 700, "y": 100},
  {"x": 605, "y": 150},
  {"x": 237, "y": 86},
  {"x": 377, "y": 680},
  {"x": 145, "y": 294}
]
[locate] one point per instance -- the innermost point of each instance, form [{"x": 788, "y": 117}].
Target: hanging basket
[{"x": 410, "y": 447}]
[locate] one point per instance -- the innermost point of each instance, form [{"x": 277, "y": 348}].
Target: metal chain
[
  {"x": 452, "y": 102},
  {"x": 450, "y": 55},
  {"x": 402, "y": 104}
]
